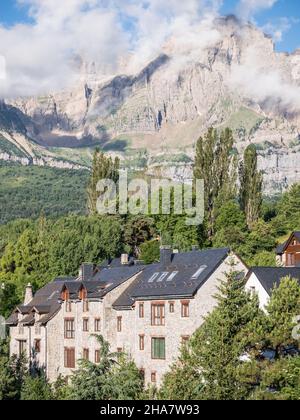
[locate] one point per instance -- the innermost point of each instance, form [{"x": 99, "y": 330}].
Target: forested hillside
[{"x": 27, "y": 191}]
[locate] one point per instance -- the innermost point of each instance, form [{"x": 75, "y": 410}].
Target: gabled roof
[
  {"x": 282, "y": 247},
  {"x": 47, "y": 300},
  {"x": 182, "y": 276},
  {"x": 272, "y": 276}
]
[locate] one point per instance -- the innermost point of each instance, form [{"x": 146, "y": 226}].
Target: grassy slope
[{"x": 25, "y": 192}]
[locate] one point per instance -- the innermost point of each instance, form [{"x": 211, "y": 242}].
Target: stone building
[{"x": 146, "y": 311}]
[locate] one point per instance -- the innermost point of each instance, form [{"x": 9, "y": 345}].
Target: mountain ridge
[{"x": 155, "y": 116}]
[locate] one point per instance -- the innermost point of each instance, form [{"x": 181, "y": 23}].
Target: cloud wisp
[
  {"x": 45, "y": 55},
  {"x": 247, "y": 9}
]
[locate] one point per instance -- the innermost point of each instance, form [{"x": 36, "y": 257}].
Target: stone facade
[{"x": 128, "y": 329}]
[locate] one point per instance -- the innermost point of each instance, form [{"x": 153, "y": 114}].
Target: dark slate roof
[
  {"x": 175, "y": 277},
  {"x": 271, "y": 276},
  {"x": 13, "y": 319},
  {"x": 281, "y": 248},
  {"x": 47, "y": 301}
]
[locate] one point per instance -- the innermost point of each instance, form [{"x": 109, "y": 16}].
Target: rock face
[{"x": 236, "y": 79}]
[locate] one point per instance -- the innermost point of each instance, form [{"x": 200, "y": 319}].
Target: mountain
[{"x": 153, "y": 118}]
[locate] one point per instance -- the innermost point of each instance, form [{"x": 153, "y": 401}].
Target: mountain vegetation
[
  {"x": 227, "y": 357},
  {"x": 27, "y": 191}
]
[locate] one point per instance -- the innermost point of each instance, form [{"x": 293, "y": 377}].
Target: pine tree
[
  {"x": 36, "y": 388},
  {"x": 213, "y": 361},
  {"x": 251, "y": 182},
  {"x": 215, "y": 163},
  {"x": 103, "y": 168}
]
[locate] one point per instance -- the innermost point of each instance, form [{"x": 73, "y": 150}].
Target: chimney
[
  {"x": 28, "y": 294},
  {"x": 86, "y": 271},
  {"x": 166, "y": 254},
  {"x": 124, "y": 259}
]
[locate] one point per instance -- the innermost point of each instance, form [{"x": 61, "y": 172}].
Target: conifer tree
[
  {"x": 214, "y": 357},
  {"x": 251, "y": 182}
]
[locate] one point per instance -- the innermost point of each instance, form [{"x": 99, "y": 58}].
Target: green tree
[
  {"x": 213, "y": 359},
  {"x": 215, "y": 163},
  {"x": 12, "y": 373},
  {"x": 251, "y": 181},
  {"x": 150, "y": 252},
  {"x": 36, "y": 388},
  {"x": 103, "y": 168},
  {"x": 280, "y": 381},
  {"x": 138, "y": 229},
  {"x": 113, "y": 378},
  {"x": 283, "y": 307}
]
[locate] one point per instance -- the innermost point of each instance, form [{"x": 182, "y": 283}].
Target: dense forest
[
  {"x": 42, "y": 246},
  {"x": 26, "y": 191}
]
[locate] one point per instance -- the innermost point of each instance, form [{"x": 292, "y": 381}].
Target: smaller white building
[{"x": 262, "y": 280}]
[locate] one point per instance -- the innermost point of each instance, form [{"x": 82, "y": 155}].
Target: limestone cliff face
[{"x": 236, "y": 79}]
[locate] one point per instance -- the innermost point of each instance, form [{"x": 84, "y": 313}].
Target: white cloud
[
  {"x": 254, "y": 80},
  {"x": 247, "y": 9},
  {"x": 43, "y": 56},
  {"x": 278, "y": 28}
]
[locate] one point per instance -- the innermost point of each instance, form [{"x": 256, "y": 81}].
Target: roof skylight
[
  {"x": 153, "y": 277},
  {"x": 199, "y": 272},
  {"x": 172, "y": 275}
]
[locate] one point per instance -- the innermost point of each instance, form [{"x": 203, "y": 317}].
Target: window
[
  {"x": 158, "y": 348},
  {"x": 153, "y": 377},
  {"x": 141, "y": 310},
  {"x": 158, "y": 315},
  {"x": 153, "y": 277},
  {"x": 172, "y": 276},
  {"x": 22, "y": 347},
  {"x": 86, "y": 354},
  {"x": 97, "y": 326},
  {"x": 199, "y": 272},
  {"x": 97, "y": 356},
  {"x": 119, "y": 324},
  {"x": 185, "y": 339},
  {"x": 69, "y": 328},
  {"x": 86, "y": 325},
  {"x": 290, "y": 259},
  {"x": 69, "y": 358},
  {"x": 119, "y": 350},
  {"x": 68, "y": 306},
  {"x": 85, "y": 305},
  {"x": 142, "y": 342},
  {"x": 82, "y": 294},
  {"x": 185, "y": 309},
  {"x": 37, "y": 329},
  {"x": 171, "y": 307},
  {"x": 162, "y": 277},
  {"x": 65, "y": 295},
  {"x": 21, "y": 329},
  {"x": 37, "y": 346}
]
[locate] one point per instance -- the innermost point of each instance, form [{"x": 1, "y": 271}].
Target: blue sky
[{"x": 284, "y": 15}]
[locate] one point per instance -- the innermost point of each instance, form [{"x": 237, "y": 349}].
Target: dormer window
[
  {"x": 65, "y": 296},
  {"x": 83, "y": 293}
]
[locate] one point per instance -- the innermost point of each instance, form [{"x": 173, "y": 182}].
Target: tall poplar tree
[
  {"x": 251, "y": 181},
  {"x": 103, "y": 168},
  {"x": 216, "y": 164}
]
